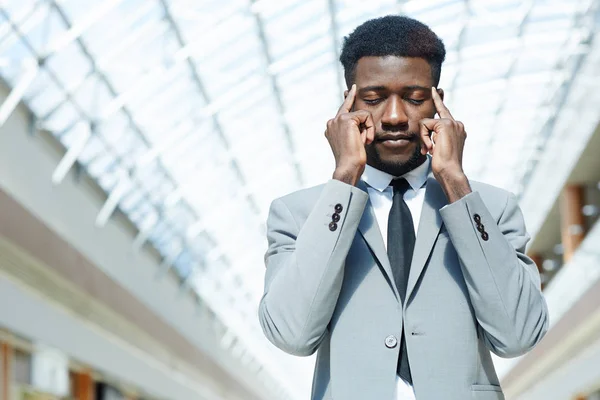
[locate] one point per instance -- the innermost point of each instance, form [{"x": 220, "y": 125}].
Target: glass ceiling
[{"x": 193, "y": 115}]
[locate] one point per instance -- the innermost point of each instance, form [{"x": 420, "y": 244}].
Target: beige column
[
  {"x": 84, "y": 386},
  {"x": 6, "y": 359},
  {"x": 572, "y": 220}
]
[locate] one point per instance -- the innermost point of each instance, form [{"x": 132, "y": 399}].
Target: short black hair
[{"x": 393, "y": 35}]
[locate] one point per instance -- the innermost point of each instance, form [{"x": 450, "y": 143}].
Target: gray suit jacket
[{"x": 333, "y": 291}]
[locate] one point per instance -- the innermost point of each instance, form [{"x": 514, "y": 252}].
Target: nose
[{"x": 394, "y": 113}]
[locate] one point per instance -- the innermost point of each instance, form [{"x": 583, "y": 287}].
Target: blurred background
[{"x": 142, "y": 141}]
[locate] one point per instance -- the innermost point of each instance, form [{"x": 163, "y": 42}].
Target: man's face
[{"x": 397, "y": 92}]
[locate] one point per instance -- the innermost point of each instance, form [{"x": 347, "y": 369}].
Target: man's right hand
[{"x": 347, "y": 134}]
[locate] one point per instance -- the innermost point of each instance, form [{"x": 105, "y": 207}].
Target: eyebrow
[
  {"x": 417, "y": 87},
  {"x": 383, "y": 88},
  {"x": 372, "y": 89}
]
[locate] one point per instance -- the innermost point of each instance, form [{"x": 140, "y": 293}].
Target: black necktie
[{"x": 400, "y": 248}]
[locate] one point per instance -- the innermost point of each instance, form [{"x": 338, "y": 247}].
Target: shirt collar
[{"x": 380, "y": 180}]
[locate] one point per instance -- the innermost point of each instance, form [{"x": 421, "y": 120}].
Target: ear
[
  {"x": 441, "y": 93},
  {"x": 346, "y": 93}
]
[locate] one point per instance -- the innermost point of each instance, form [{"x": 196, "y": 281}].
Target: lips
[
  {"x": 395, "y": 138},
  {"x": 396, "y": 142}
]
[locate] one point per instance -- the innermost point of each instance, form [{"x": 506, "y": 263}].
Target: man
[{"x": 400, "y": 271}]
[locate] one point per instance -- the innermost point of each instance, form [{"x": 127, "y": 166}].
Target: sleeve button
[
  {"x": 477, "y": 218},
  {"x": 338, "y": 208},
  {"x": 332, "y": 226},
  {"x": 485, "y": 236},
  {"x": 335, "y": 217},
  {"x": 391, "y": 342}
]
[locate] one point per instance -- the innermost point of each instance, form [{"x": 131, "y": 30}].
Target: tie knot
[{"x": 400, "y": 185}]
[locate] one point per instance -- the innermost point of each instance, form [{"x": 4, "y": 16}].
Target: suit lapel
[
  {"x": 429, "y": 228},
  {"x": 369, "y": 229}
]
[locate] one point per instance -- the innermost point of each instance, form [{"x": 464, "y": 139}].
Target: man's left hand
[{"x": 444, "y": 139}]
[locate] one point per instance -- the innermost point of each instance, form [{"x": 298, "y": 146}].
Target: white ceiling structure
[{"x": 193, "y": 115}]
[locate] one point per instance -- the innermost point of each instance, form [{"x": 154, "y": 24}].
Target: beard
[{"x": 394, "y": 167}]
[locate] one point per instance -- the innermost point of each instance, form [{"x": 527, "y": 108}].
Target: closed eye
[
  {"x": 372, "y": 102},
  {"x": 416, "y": 102}
]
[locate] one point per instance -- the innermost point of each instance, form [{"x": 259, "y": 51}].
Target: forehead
[{"x": 392, "y": 71}]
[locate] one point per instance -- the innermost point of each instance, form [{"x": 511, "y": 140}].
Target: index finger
[
  {"x": 441, "y": 108},
  {"x": 346, "y": 106}
]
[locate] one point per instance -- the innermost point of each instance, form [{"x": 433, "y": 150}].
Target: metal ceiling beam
[
  {"x": 460, "y": 43},
  {"x": 75, "y": 31},
  {"x": 144, "y": 33},
  {"x": 504, "y": 97},
  {"x": 510, "y": 71},
  {"x": 278, "y": 99},
  {"x": 15, "y": 96},
  {"x": 204, "y": 93},
  {"x": 69, "y": 97},
  {"x": 73, "y": 153},
  {"x": 111, "y": 90},
  {"x": 220, "y": 131},
  {"x": 130, "y": 119},
  {"x": 22, "y": 37},
  {"x": 337, "y": 47},
  {"x": 547, "y": 129},
  {"x": 27, "y": 21}
]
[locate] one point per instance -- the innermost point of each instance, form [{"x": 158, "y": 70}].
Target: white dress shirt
[{"x": 381, "y": 196}]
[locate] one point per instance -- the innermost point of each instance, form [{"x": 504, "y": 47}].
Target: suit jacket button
[
  {"x": 477, "y": 218},
  {"x": 338, "y": 208},
  {"x": 332, "y": 226},
  {"x": 485, "y": 236},
  {"x": 391, "y": 342},
  {"x": 335, "y": 217}
]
